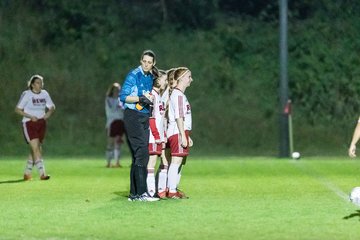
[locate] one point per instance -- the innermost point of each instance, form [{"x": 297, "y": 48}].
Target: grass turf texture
[{"x": 230, "y": 198}]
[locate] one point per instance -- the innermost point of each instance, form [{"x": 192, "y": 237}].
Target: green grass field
[{"x": 230, "y": 198}]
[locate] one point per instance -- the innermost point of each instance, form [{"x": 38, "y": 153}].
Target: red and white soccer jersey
[
  {"x": 114, "y": 110},
  {"x": 35, "y": 103},
  {"x": 158, "y": 114},
  {"x": 179, "y": 107}
]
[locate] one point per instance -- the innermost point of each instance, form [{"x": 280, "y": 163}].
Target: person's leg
[
  {"x": 28, "y": 168},
  {"x": 36, "y": 154},
  {"x": 137, "y": 132},
  {"x": 150, "y": 180},
  {"x": 109, "y": 151},
  {"x": 173, "y": 174},
  {"x": 117, "y": 152},
  {"x": 162, "y": 175}
]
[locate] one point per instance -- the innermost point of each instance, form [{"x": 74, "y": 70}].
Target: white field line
[{"x": 324, "y": 181}]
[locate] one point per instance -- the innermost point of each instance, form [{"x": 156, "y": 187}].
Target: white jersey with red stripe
[
  {"x": 35, "y": 104},
  {"x": 179, "y": 107},
  {"x": 158, "y": 113},
  {"x": 114, "y": 110}
]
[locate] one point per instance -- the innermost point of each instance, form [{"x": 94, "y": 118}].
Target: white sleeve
[
  {"x": 178, "y": 106},
  {"x": 49, "y": 102},
  {"x": 22, "y": 101}
]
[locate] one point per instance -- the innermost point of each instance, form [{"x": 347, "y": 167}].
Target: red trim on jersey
[
  {"x": 180, "y": 106},
  {"x": 153, "y": 128}
]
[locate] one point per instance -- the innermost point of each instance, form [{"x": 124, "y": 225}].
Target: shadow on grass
[
  {"x": 352, "y": 215},
  {"x": 12, "y": 181},
  {"x": 123, "y": 194}
]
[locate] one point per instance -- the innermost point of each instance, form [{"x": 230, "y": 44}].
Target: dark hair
[
  {"x": 148, "y": 53},
  {"x": 159, "y": 73},
  {"x": 32, "y": 80},
  {"x": 110, "y": 91}
]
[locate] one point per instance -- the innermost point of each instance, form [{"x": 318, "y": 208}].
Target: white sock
[
  {"x": 150, "y": 181},
  {"x": 117, "y": 155},
  {"x": 162, "y": 179},
  {"x": 40, "y": 166},
  {"x": 178, "y": 178},
  {"x": 109, "y": 155},
  {"x": 173, "y": 177},
  {"x": 29, "y": 166}
]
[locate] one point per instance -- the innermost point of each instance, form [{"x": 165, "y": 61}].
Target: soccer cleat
[
  {"x": 27, "y": 177},
  {"x": 147, "y": 198},
  {"x": 177, "y": 195},
  {"x": 162, "y": 195},
  {"x": 132, "y": 198},
  {"x": 44, "y": 177}
]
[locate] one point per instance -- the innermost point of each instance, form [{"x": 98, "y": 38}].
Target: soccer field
[{"x": 230, "y": 198}]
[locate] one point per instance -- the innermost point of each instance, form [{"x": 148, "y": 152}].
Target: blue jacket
[{"x": 136, "y": 84}]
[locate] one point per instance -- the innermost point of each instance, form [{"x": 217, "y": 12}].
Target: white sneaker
[{"x": 146, "y": 198}]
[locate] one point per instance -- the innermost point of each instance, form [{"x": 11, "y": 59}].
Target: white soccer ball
[
  {"x": 295, "y": 155},
  {"x": 355, "y": 196}
]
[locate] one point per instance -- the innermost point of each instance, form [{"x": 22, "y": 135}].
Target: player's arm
[
  {"x": 355, "y": 139},
  {"x": 49, "y": 112},
  {"x": 127, "y": 90},
  {"x": 180, "y": 125},
  {"x": 24, "y": 114},
  {"x": 50, "y": 106}
]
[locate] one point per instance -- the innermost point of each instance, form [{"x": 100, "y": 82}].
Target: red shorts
[
  {"x": 116, "y": 128},
  {"x": 175, "y": 145},
  {"x": 155, "y": 149},
  {"x": 33, "y": 130}
]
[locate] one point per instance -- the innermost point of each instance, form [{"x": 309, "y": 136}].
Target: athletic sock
[
  {"x": 150, "y": 181},
  {"x": 29, "y": 166},
  {"x": 178, "y": 176},
  {"x": 162, "y": 179},
  {"x": 117, "y": 155},
  {"x": 109, "y": 155},
  {"x": 173, "y": 177},
  {"x": 40, "y": 166}
]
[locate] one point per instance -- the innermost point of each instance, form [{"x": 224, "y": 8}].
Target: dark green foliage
[{"x": 81, "y": 49}]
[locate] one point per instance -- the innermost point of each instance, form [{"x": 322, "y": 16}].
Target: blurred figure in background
[
  {"x": 35, "y": 106},
  {"x": 114, "y": 125}
]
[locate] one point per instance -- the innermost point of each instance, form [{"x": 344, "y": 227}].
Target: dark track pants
[{"x": 137, "y": 133}]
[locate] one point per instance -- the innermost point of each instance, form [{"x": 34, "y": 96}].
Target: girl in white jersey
[
  {"x": 35, "y": 106},
  {"x": 179, "y": 128},
  {"x": 157, "y": 134},
  {"x": 114, "y": 110}
]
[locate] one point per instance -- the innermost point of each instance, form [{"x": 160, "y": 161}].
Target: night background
[{"x": 231, "y": 47}]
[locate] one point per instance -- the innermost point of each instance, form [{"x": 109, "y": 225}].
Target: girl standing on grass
[
  {"x": 114, "y": 124},
  {"x": 157, "y": 136},
  {"x": 179, "y": 128},
  {"x": 35, "y": 106}
]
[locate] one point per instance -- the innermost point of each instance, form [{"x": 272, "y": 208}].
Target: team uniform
[
  {"x": 114, "y": 117},
  {"x": 179, "y": 107},
  {"x": 165, "y": 99},
  {"x": 35, "y": 105},
  {"x": 157, "y": 127}
]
